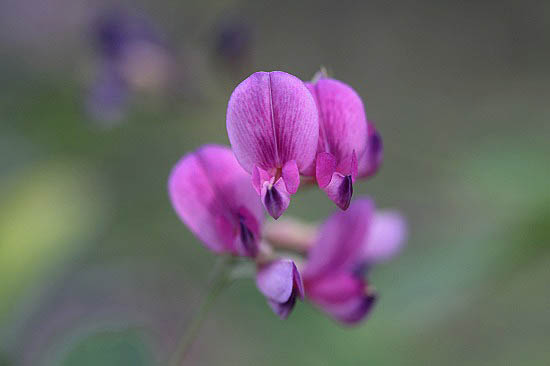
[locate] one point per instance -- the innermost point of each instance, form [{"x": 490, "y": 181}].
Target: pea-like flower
[
  {"x": 347, "y": 144},
  {"x": 348, "y": 243},
  {"x": 281, "y": 284},
  {"x": 272, "y": 123},
  {"x": 212, "y": 195}
]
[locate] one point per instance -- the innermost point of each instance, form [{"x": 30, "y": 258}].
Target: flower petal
[
  {"x": 370, "y": 161},
  {"x": 275, "y": 198},
  {"x": 208, "y": 189},
  {"x": 272, "y": 119},
  {"x": 283, "y": 310},
  {"x": 324, "y": 168},
  {"x": 344, "y": 296},
  {"x": 291, "y": 176},
  {"x": 340, "y": 240},
  {"x": 336, "y": 288},
  {"x": 259, "y": 176},
  {"x": 340, "y": 190},
  {"x": 278, "y": 279},
  {"x": 352, "y": 311},
  {"x": 342, "y": 121},
  {"x": 386, "y": 236}
]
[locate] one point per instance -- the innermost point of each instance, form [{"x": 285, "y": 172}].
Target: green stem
[{"x": 219, "y": 282}]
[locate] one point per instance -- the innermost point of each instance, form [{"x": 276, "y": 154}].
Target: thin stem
[{"x": 219, "y": 282}]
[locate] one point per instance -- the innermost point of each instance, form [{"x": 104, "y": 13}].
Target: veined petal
[
  {"x": 325, "y": 168},
  {"x": 272, "y": 119},
  {"x": 340, "y": 240},
  {"x": 209, "y": 191},
  {"x": 386, "y": 236},
  {"x": 370, "y": 161},
  {"x": 281, "y": 283},
  {"x": 342, "y": 121},
  {"x": 291, "y": 176}
]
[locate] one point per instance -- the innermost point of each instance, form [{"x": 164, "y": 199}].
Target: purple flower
[
  {"x": 272, "y": 123},
  {"x": 211, "y": 193},
  {"x": 348, "y": 243},
  {"x": 344, "y": 145},
  {"x": 281, "y": 284}
]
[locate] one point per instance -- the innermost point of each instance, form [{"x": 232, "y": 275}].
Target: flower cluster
[{"x": 284, "y": 134}]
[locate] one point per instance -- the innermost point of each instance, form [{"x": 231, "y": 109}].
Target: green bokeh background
[{"x": 96, "y": 269}]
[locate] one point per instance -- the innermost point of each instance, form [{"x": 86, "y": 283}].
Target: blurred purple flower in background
[
  {"x": 233, "y": 40},
  {"x": 343, "y": 139},
  {"x": 211, "y": 193},
  {"x": 132, "y": 58},
  {"x": 281, "y": 284},
  {"x": 347, "y": 244},
  {"x": 272, "y": 123}
]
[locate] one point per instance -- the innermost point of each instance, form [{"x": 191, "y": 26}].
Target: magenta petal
[
  {"x": 259, "y": 176},
  {"x": 283, "y": 310},
  {"x": 344, "y": 296},
  {"x": 281, "y": 283},
  {"x": 335, "y": 288},
  {"x": 249, "y": 233},
  {"x": 386, "y": 237},
  {"x": 371, "y": 160},
  {"x": 208, "y": 189},
  {"x": 340, "y": 240},
  {"x": 291, "y": 176},
  {"x": 275, "y": 198},
  {"x": 272, "y": 119},
  {"x": 352, "y": 311},
  {"x": 354, "y": 166},
  {"x": 340, "y": 190},
  {"x": 342, "y": 121},
  {"x": 324, "y": 168}
]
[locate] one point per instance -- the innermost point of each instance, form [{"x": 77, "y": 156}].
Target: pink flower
[
  {"x": 211, "y": 194},
  {"x": 281, "y": 284},
  {"x": 345, "y": 143},
  {"x": 272, "y": 123},
  {"x": 347, "y": 243}
]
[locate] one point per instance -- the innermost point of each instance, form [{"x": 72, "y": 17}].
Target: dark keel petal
[
  {"x": 280, "y": 282},
  {"x": 360, "y": 311},
  {"x": 273, "y": 202},
  {"x": 371, "y": 160},
  {"x": 283, "y": 310},
  {"x": 340, "y": 190},
  {"x": 345, "y": 192},
  {"x": 247, "y": 239},
  {"x": 275, "y": 198}
]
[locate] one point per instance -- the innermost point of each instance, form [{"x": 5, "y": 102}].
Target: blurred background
[{"x": 99, "y": 99}]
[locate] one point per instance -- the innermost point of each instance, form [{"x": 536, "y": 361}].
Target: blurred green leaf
[{"x": 47, "y": 210}]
